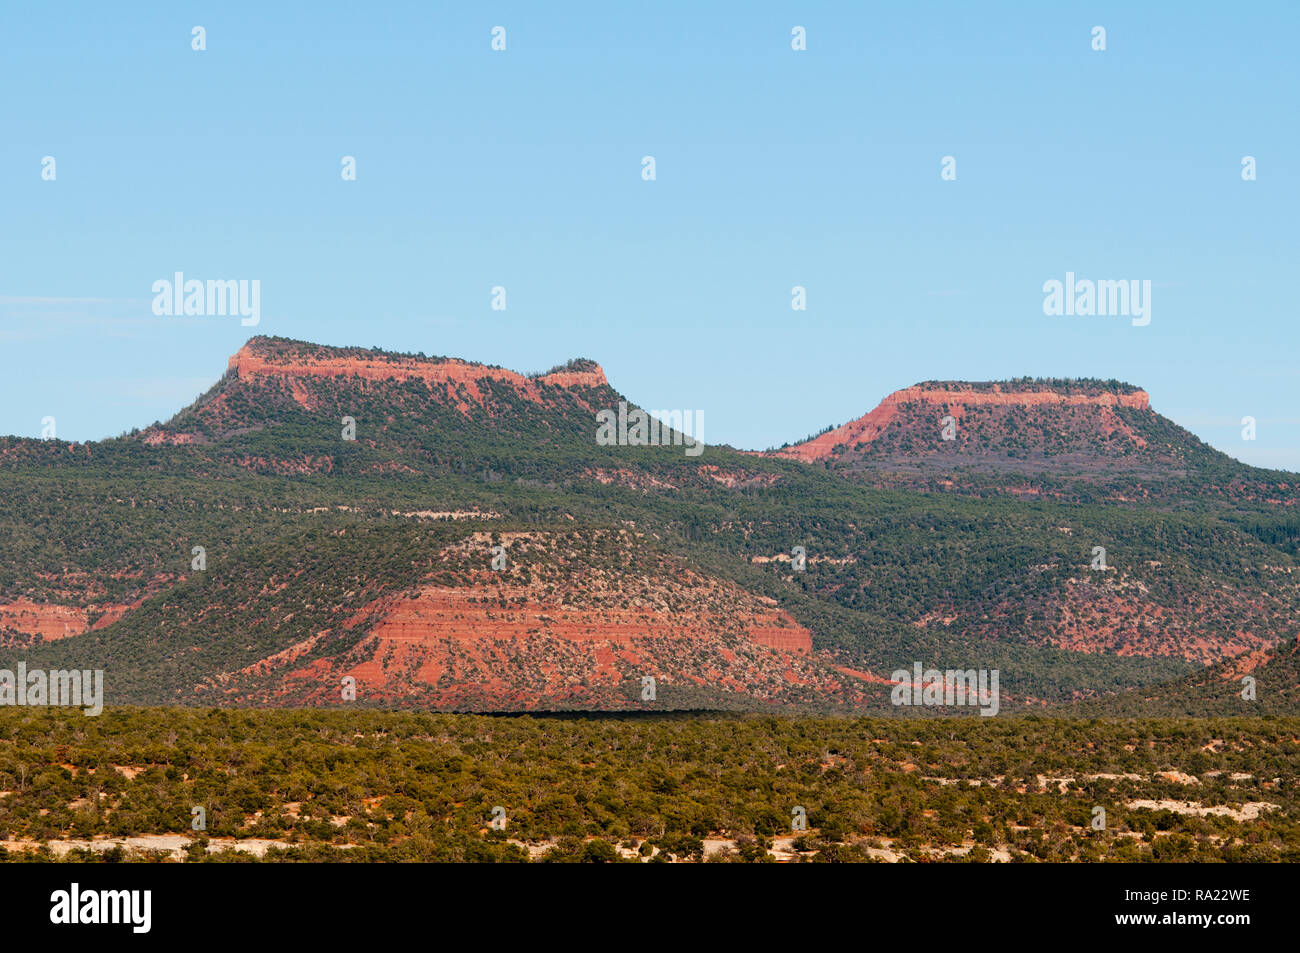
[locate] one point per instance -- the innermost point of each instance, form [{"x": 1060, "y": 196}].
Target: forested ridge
[{"x": 968, "y": 568}]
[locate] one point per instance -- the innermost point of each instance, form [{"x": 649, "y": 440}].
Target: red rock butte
[
  {"x": 48, "y": 622},
  {"x": 869, "y": 427},
  {"x": 253, "y": 361},
  {"x": 460, "y": 614}
]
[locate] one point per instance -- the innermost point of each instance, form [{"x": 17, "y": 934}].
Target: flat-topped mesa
[
  {"x": 271, "y": 380},
  {"x": 958, "y": 395},
  {"x": 595, "y": 377},
  {"x": 268, "y": 357},
  {"x": 1008, "y": 395}
]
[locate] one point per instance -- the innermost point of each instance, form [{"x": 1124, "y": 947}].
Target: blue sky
[{"x": 775, "y": 168}]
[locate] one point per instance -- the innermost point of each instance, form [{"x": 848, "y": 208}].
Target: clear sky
[{"x": 774, "y": 168}]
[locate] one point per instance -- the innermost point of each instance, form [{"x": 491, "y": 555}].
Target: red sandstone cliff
[
  {"x": 268, "y": 375},
  {"x": 956, "y": 397},
  {"x": 48, "y": 622},
  {"x": 254, "y": 360},
  {"x": 562, "y": 630}
]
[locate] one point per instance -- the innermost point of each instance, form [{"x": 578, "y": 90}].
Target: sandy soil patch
[{"x": 1249, "y": 811}]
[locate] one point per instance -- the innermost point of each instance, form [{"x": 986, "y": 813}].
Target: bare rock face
[
  {"x": 553, "y": 629},
  {"x": 923, "y": 407},
  {"x": 271, "y": 381},
  {"x": 979, "y": 414},
  {"x": 257, "y": 359},
  {"x": 511, "y": 647},
  {"x": 27, "y": 621}
]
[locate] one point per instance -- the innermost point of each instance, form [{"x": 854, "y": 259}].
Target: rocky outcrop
[
  {"x": 254, "y": 360},
  {"x": 777, "y": 630},
  {"x": 956, "y": 397},
  {"x": 563, "y": 631},
  {"x": 271, "y": 380},
  {"x": 45, "y": 622},
  {"x": 511, "y": 613}
]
